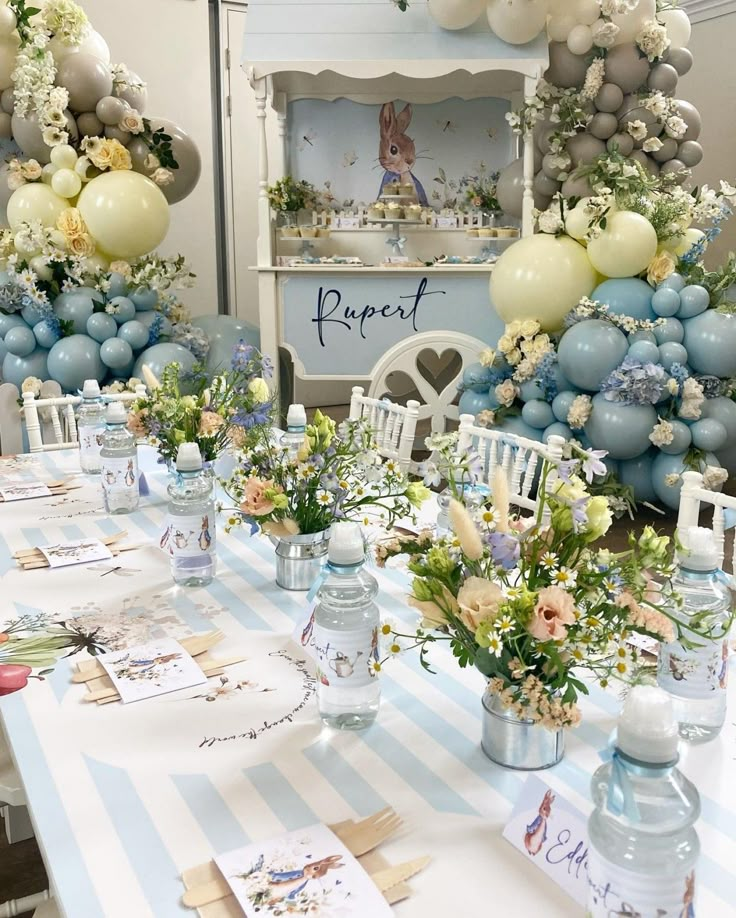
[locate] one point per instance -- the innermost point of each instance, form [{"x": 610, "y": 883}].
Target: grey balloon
[
  {"x": 537, "y": 159},
  {"x": 187, "y": 156},
  {"x": 630, "y": 102},
  {"x": 641, "y": 157},
  {"x": 7, "y": 101},
  {"x": 691, "y": 117},
  {"x": 138, "y": 153},
  {"x": 136, "y": 94},
  {"x": 610, "y": 98},
  {"x": 27, "y": 135},
  {"x": 89, "y": 125},
  {"x": 624, "y": 143},
  {"x": 603, "y": 125},
  {"x": 584, "y": 148},
  {"x": 667, "y": 151},
  {"x": 676, "y": 167},
  {"x": 681, "y": 59},
  {"x": 663, "y": 77},
  {"x": 5, "y": 194},
  {"x": 565, "y": 68},
  {"x": 86, "y": 78},
  {"x": 544, "y": 185},
  {"x": 544, "y": 140},
  {"x": 510, "y": 190},
  {"x": 110, "y": 110},
  {"x": 626, "y": 68},
  {"x": 576, "y": 187},
  {"x": 71, "y": 126},
  {"x": 690, "y": 152},
  {"x": 114, "y": 133},
  {"x": 549, "y": 168},
  {"x": 6, "y": 130}
]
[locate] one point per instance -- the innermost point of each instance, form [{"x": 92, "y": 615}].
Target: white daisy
[
  {"x": 564, "y": 577},
  {"x": 548, "y": 560},
  {"x": 324, "y": 497},
  {"x": 495, "y": 644},
  {"x": 504, "y": 624},
  {"x": 374, "y": 667}
]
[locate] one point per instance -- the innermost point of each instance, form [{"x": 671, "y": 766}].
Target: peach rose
[
  {"x": 555, "y": 609},
  {"x": 479, "y": 600},
  {"x": 137, "y": 423},
  {"x": 119, "y": 156},
  {"x": 255, "y": 502},
  {"x": 210, "y": 423},
  {"x": 70, "y": 223},
  {"x": 433, "y": 614},
  {"x": 82, "y": 246}
]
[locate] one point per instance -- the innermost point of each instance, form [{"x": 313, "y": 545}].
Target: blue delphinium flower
[
  {"x": 504, "y": 549},
  {"x": 154, "y": 330},
  {"x": 592, "y": 464}
]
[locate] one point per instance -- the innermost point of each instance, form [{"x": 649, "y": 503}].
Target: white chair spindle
[
  {"x": 719, "y": 533},
  {"x": 33, "y": 427},
  {"x": 531, "y": 471}
]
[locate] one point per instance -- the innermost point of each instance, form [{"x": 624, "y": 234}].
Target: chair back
[
  {"x": 11, "y": 430},
  {"x": 393, "y": 426},
  {"x": 520, "y": 459},
  {"x": 692, "y": 495}
]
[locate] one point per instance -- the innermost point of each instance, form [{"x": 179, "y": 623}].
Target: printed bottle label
[
  {"x": 120, "y": 474},
  {"x": 615, "y": 892},
  {"x": 90, "y": 443},
  {"x": 345, "y": 658},
  {"x": 189, "y": 536},
  {"x": 699, "y": 674}
]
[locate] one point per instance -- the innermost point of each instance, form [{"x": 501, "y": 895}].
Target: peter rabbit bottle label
[
  {"x": 90, "y": 442},
  {"x": 120, "y": 474},
  {"x": 700, "y": 673},
  {"x": 617, "y": 892},
  {"x": 345, "y": 658},
  {"x": 189, "y": 536}
]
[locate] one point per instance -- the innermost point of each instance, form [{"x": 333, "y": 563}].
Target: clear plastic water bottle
[
  {"x": 643, "y": 847},
  {"x": 90, "y": 427},
  {"x": 189, "y": 536},
  {"x": 296, "y": 425},
  {"x": 119, "y": 458},
  {"x": 345, "y": 634},
  {"x": 474, "y": 496},
  {"x": 696, "y": 677}
]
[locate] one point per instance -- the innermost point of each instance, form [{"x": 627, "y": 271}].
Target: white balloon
[
  {"x": 93, "y": 44},
  {"x": 580, "y": 39},
  {"x": 517, "y": 21},
  {"x": 455, "y": 14},
  {"x": 678, "y": 27},
  {"x": 630, "y": 23},
  {"x": 559, "y": 27},
  {"x": 7, "y": 20},
  {"x": 8, "y": 50},
  {"x": 587, "y": 11},
  {"x": 558, "y": 7}
]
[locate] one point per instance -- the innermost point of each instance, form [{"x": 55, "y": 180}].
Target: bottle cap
[
  {"x": 699, "y": 551},
  {"x": 346, "y": 544},
  {"x": 647, "y": 726},
  {"x": 188, "y": 458},
  {"x": 116, "y": 413},
  {"x": 296, "y": 416},
  {"x": 91, "y": 389}
]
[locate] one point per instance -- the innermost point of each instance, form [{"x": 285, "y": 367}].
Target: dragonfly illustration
[{"x": 307, "y": 139}]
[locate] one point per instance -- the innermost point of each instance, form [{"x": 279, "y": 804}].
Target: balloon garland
[{"x": 84, "y": 202}]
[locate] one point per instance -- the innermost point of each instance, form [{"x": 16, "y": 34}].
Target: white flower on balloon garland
[
  {"x": 653, "y": 40},
  {"x": 132, "y": 122},
  {"x": 652, "y": 145},
  {"x": 594, "y": 77},
  {"x": 506, "y": 392},
  {"x": 66, "y": 20},
  {"x": 162, "y": 176},
  {"x": 487, "y": 357},
  {"x": 637, "y": 129},
  {"x": 675, "y": 127},
  {"x": 486, "y": 418},
  {"x": 617, "y": 7},
  {"x": 604, "y": 33},
  {"x": 579, "y": 412},
  {"x": 550, "y": 221},
  {"x": 692, "y": 400},
  {"x": 671, "y": 479},
  {"x": 714, "y": 477},
  {"x": 663, "y": 433}
]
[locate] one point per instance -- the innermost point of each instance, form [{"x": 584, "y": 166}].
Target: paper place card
[
  {"x": 343, "y": 223},
  {"x": 445, "y": 222},
  {"x": 644, "y": 643},
  {"x": 397, "y": 259},
  {"x": 77, "y": 551},
  {"x": 24, "y": 491},
  {"x": 147, "y": 670},
  {"x": 308, "y": 872},
  {"x": 553, "y": 834}
]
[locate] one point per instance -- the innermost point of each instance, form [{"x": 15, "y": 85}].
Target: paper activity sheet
[
  {"x": 23, "y": 491},
  {"x": 308, "y": 872},
  {"x": 76, "y": 551},
  {"x": 151, "y": 669}
]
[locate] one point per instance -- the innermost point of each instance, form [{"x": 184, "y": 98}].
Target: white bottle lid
[
  {"x": 346, "y": 544},
  {"x": 296, "y": 416},
  {"x": 699, "y": 551},
  {"x": 647, "y": 726},
  {"x": 188, "y": 458},
  {"x": 91, "y": 389},
  {"x": 116, "y": 413}
]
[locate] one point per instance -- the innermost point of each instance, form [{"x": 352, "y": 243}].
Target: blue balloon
[
  {"x": 3, "y": 352},
  {"x": 561, "y": 405},
  {"x": 116, "y": 353},
  {"x": 32, "y": 315},
  {"x": 224, "y": 333},
  {"x": 589, "y": 351},
  {"x": 477, "y": 377},
  {"x": 622, "y": 430},
  {"x": 516, "y": 425},
  {"x": 694, "y": 299},
  {"x": 665, "y": 465},
  {"x": 135, "y": 333},
  {"x": 470, "y": 402},
  {"x": 16, "y": 369},
  {"x": 20, "y": 341},
  {"x": 710, "y": 339},
  {"x": 92, "y": 293},
  {"x": 538, "y": 414},
  {"x": 45, "y": 333},
  {"x": 642, "y": 334},
  {"x": 666, "y": 302},
  {"x": 669, "y": 330},
  {"x": 10, "y": 321},
  {"x": 681, "y": 438},
  {"x": 144, "y": 299},
  {"x": 75, "y": 308},
  {"x": 118, "y": 287},
  {"x": 156, "y": 358},
  {"x": 74, "y": 359},
  {"x": 673, "y": 282},
  {"x": 124, "y": 309},
  {"x": 101, "y": 326},
  {"x": 722, "y": 409},
  {"x": 557, "y": 430},
  {"x": 626, "y": 296},
  {"x": 561, "y": 381},
  {"x": 671, "y": 352},
  {"x": 148, "y": 318},
  {"x": 638, "y": 474},
  {"x": 644, "y": 352},
  {"x": 529, "y": 391},
  {"x": 707, "y": 433}
]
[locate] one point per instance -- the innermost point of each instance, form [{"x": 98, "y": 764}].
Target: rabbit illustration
[
  {"x": 205, "y": 539},
  {"x": 130, "y": 474},
  {"x": 723, "y": 673},
  {"x": 165, "y": 537},
  {"x": 688, "y": 900},
  {"x": 536, "y": 831},
  {"x": 289, "y": 883},
  {"x": 396, "y": 152}
]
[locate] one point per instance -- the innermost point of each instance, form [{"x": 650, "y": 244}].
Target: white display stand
[{"x": 368, "y": 51}]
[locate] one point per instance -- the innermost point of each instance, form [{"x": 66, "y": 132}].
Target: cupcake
[
  {"x": 376, "y": 211},
  {"x": 308, "y": 232},
  {"x": 413, "y": 212},
  {"x": 392, "y": 188},
  {"x": 486, "y": 232},
  {"x": 290, "y": 232},
  {"x": 394, "y": 211},
  {"x": 407, "y": 188},
  {"x": 472, "y": 231},
  {"x": 507, "y": 232},
  {"x": 323, "y": 232}
]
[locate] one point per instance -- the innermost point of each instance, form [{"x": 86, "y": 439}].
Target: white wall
[{"x": 166, "y": 42}]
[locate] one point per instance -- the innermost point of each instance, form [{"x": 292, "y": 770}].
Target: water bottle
[
  {"x": 696, "y": 677},
  {"x": 642, "y": 845},
  {"x": 189, "y": 536},
  {"x": 296, "y": 425},
  {"x": 119, "y": 459},
  {"x": 474, "y": 496},
  {"x": 345, "y": 634},
  {"x": 90, "y": 427}
]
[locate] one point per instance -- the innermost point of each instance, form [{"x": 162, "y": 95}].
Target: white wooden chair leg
[
  {"x": 356, "y": 409},
  {"x": 18, "y": 826},
  {"x": 37, "y": 903}
]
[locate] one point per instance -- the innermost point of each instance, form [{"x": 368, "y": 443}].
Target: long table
[{"x": 126, "y": 797}]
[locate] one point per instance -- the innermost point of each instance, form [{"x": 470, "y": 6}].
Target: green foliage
[
  {"x": 159, "y": 143},
  {"x": 290, "y": 196}
]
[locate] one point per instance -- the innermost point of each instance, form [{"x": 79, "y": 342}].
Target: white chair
[
  {"x": 520, "y": 459},
  {"x": 393, "y": 425},
  {"x": 11, "y": 431},
  {"x": 692, "y": 495}
]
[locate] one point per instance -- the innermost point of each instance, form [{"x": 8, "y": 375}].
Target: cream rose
[
  {"x": 599, "y": 516},
  {"x": 555, "y": 609},
  {"x": 131, "y": 122},
  {"x": 120, "y": 267},
  {"x": 31, "y": 170},
  {"x": 660, "y": 268},
  {"x": 119, "y": 157},
  {"x": 82, "y": 246},
  {"x": 71, "y": 224},
  {"x": 162, "y": 177},
  {"x": 479, "y": 600},
  {"x": 151, "y": 162}
]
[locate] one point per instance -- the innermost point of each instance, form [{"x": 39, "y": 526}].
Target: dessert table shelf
[{"x": 126, "y": 797}]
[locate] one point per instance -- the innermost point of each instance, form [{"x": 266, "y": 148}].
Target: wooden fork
[{"x": 362, "y": 837}]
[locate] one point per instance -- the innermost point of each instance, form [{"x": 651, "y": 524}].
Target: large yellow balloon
[
  {"x": 35, "y": 201},
  {"x": 126, "y": 214},
  {"x": 687, "y": 241},
  {"x": 541, "y": 277},
  {"x": 625, "y": 247}
]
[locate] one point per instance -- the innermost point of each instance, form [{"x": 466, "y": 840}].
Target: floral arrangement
[
  {"x": 480, "y": 189},
  {"x": 337, "y": 474},
  {"x": 230, "y": 409},
  {"x": 532, "y": 603},
  {"x": 290, "y": 196}
]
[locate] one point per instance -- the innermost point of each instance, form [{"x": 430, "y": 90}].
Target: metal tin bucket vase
[
  {"x": 518, "y": 744},
  {"x": 299, "y": 559}
]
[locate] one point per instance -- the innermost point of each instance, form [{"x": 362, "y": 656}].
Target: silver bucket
[
  {"x": 299, "y": 559},
  {"x": 518, "y": 744}
]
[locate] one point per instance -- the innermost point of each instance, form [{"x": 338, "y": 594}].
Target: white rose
[
  {"x": 162, "y": 176},
  {"x": 637, "y": 129},
  {"x": 151, "y": 162},
  {"x": 549, "y": 222},
  {"x": 652, "y": 144},
  {"x": 258, "y": 388}
]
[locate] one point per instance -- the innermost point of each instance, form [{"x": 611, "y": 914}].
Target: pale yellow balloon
[
  {"x": 35, "y": 201},
  {"x": 66, "y": 183},
  {"x": 541, "y": 277},
  {"x": 686, "y": 242},
  {"x": 126, "y": 214},
  {"x": 625, "y": 247},
  {"x": 577, "y": 223},
  {"x": 94, "y": 262}
]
